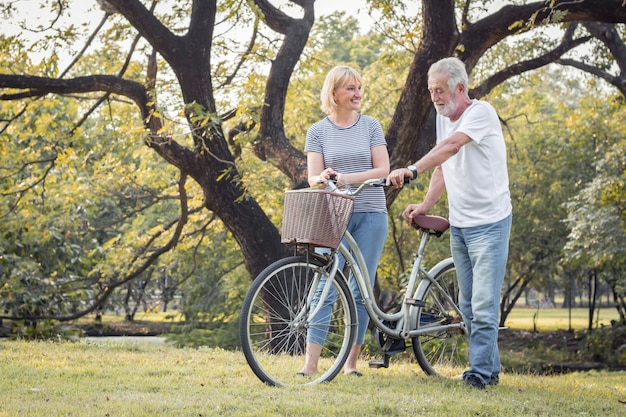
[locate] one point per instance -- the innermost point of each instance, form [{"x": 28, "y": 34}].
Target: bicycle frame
[
  {"x": 403, "y": 328},
  {"x": 305, "y": 286}
]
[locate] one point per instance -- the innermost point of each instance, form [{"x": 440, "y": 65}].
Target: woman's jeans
[
  {"x": 369, "y": 230},
  {"x": 480, "y": 255}
]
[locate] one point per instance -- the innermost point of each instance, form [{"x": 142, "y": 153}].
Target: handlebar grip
[
  {"x": 332, "y": 177},
  {"x": 382, "y": 182}
]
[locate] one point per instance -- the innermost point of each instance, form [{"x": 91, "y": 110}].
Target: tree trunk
[{"x": 592, "y": 277}]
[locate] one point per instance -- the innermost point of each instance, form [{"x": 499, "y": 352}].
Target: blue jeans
[
  {"x": 369, "y": 230},
  {"x": 480, "y": 255}
]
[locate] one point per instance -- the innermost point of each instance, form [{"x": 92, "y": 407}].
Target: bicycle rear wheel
[
  {"x": 275, "y": 319},
  {"x": 441, "y": 352}
]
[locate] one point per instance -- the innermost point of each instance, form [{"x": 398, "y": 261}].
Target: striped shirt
[{"x": 349, "y": 150}]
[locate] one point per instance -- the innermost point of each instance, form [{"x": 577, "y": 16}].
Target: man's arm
[
  {"x": 435, "y": 190},
  {"x": 443, "y": 151}
]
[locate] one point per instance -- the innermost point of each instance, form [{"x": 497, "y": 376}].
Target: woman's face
[{"x": 349, "y": 95}]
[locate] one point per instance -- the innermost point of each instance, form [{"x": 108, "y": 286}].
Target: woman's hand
[{"x": 327, "y": 174}]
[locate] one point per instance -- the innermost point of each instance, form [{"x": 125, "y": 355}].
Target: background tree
[
  {"x": 596, "y": 244},
  {"x": 552, "y": 153},
  {"x": 184, "y": 103}
]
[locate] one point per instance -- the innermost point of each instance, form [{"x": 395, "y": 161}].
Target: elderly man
[{"x": 469, "y": 163}]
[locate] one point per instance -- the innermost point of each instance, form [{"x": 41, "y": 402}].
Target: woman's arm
[
  {"x": 317, "y": 172},
  {"x": 380, "y": 163},
  {"x": 315, "y": 166}
]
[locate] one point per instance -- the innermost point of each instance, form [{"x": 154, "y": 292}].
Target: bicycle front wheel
[
  {"x": 276, "y": 317},
  {"x": 443, "y": 352}
]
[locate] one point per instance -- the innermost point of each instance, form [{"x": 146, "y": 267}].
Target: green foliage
[
  {"x": 45, "y": 330},
  {"x": 212, "y": 281},
  {"x": 596, "y": 216},
  {"x": 540, "y": 179},
  {"x": 607, "y": 345},
  {"x": 399, "y": 22},
  {"x": 40, "y": 251},
  {"x": 76, "y": 209},
  {"x": 555, "y": 148}
]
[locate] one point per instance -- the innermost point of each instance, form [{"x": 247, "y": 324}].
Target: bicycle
[{"x": 284, "y": 299}]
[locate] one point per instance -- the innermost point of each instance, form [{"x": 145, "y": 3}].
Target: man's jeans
[{"x": 480, "y": 255}]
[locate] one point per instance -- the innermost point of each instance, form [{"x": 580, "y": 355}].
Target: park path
[{"x": 126, "y": 339}]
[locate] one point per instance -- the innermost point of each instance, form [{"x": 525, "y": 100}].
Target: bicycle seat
[{"x": 434, "y": 224}]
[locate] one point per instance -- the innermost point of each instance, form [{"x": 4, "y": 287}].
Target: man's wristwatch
[{"x": 413, "y": 170}]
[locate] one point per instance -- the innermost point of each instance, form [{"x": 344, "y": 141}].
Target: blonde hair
[{"x": 336, "y": 77}]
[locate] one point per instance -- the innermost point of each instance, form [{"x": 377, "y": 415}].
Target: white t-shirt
[{"x": 477, "y": 180}]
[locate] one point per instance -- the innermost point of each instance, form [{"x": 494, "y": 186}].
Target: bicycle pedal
[
  {"x": 415, "y": 303},
  {"x": 380, "y": 363}
]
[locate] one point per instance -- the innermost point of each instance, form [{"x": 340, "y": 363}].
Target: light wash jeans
[
  {"x": 480, "y": 255},
  {"x": 370, "y": 232}
]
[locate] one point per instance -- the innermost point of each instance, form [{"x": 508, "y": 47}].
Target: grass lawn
[
  {"x": 138, "y": 379},
  {"x": 131, "y": 377}
]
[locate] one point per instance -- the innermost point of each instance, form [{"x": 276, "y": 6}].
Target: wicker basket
[{"x": 315, "y": 217}]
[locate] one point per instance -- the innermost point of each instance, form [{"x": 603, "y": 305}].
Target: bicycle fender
[{"x": 444, "y": 264}]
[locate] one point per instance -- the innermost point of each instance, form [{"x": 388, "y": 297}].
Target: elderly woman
[{"x": 352, "y": 148}]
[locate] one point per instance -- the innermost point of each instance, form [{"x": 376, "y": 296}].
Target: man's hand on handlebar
[{"x": 398, "y": 177}]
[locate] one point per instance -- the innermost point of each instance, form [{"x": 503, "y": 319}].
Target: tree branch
[
  {"x": 608, "y": 35},
  {"x": 40, "y": 86},
  {"x": 618, "y": 82},
  {"x": 145, "y": 22},
  {"x": 567, "y": 44},
  {"x": 509, "y": 20},
  {"x": 87, "y": 44},
  {"x": 271, "y": 142}
]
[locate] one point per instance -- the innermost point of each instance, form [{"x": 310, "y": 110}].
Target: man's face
[{"x": 444, "y": 99}]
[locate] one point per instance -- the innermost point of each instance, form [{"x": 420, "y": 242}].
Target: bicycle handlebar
[{"x": 374, "y": 182}]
